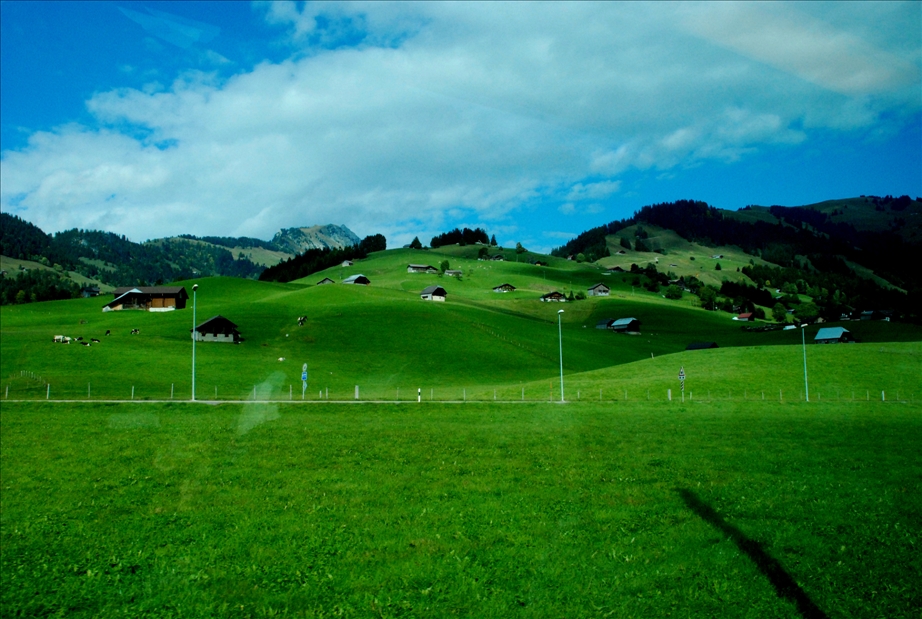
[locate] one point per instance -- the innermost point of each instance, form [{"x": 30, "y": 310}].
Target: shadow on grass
[{"x": 784, "y": 585}]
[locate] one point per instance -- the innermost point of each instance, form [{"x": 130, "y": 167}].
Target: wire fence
[{"x": 28, "y": 385}]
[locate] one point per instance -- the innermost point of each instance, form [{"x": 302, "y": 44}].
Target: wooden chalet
[
  {"x": 217, "y": 329},
  {"x": 604, "y": 323},
  {"x": 325, "y": 281},
  {"x": 433, "y": 293},
  {"x": 359, "y": 279},
  {"x": 497, "y": 258},
  {"x": 504, "y": 288},
  {"x": 626, "y": 325},
  {"x": 148, "y": 298},
  {"x": 599, "y": 290},
  {"x": 454, "y": 272},
  {"x": 554, "y": 297},
  {"x": 833, "y": 335},
  {"x": 747, "y": 317},
  {"x": 421, "y": 268}
]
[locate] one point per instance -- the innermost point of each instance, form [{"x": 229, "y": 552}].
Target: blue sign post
[{"x": 303, "y": 380}]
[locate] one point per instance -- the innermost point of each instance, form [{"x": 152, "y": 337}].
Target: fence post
[
  {"x": 356, "y": 392},
  {"x": 172, "y": 386},
  {"x": 464, "y": 393},
  {"x": 883, "y": 398},
  {"x": 419, "y": 394},
  {"x": 669, "y": 394},
  {"x": 132, "y": 392},
  {"x": 47, "y": 393}
]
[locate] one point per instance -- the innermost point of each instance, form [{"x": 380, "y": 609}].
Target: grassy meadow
[
  {"x": 431, "y": 510},
  {"x": 743, "y": 500}
]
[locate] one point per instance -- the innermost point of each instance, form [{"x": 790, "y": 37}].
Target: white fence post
[
  {"x": 356, "y": 392},
  {"x": 669, "y": 394}
]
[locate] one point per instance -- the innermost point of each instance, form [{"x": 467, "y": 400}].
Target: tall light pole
[
  {"x": 560, "y": 340},
  {"x": 803, "y": 339},
  {"x": 194, "y": 288}
]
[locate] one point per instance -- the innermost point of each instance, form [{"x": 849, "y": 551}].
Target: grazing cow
[
  {"x": 301, "y": 320},
  {"x": 85, "y": 343},
  {"x": 108, "y": 332},
  {"x": 94, "y": 340},
  {"x": 281, "y": 358},
  {"x": 80, "y": 339},
  {"x": 135, "y": 332},
  {"x": 59, "y": 339}
]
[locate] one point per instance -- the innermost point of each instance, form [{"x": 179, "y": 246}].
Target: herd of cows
[{"x": 65, "y": 339}]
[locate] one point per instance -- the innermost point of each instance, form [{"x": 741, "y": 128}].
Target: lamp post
[
  {"x": 560, "y": 340},
  {"x": 194, "y": 288},
  {"x": 803, "y": 339}
]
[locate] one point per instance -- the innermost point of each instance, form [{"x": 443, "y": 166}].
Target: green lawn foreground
[{"x": 730, "y": 509}]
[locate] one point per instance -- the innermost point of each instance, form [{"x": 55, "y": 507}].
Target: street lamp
[
  {"x": 803, "y": 339},
  {"x": 194, "y": 288},
  {"x": 560, "y": 339}
]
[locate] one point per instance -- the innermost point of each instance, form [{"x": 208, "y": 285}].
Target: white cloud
[{"x": 486, "y": 108}]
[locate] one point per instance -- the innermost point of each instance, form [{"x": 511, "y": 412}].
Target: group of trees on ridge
[
  {"x": 314, "y": 260},
  {"x": 805, "y": 244}
]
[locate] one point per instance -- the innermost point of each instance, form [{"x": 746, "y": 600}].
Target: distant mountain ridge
[{"x": 299, "y": 240}]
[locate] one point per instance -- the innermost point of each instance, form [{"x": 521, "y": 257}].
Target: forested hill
[
  {"x": 114, "y": 260},
  {"x": 802, "y": 240}
]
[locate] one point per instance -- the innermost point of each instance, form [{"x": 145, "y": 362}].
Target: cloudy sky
[{"x": 536, "y": 121}]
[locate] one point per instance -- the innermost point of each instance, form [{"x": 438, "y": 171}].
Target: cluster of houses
[{"x": 221, "y": 329}]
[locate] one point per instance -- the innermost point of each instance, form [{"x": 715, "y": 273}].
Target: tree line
[{"x": 314, "y": 260}]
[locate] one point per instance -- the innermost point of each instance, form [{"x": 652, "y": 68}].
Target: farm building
[
  {"x": 433, "y": 293},
  {"x": 359, "y": 279},
  {"x": 217, "y": 329},
  {"x": 454, "y": 272},
  {"x": 616, "y": 270},
  {"x": 497, "y": 257},
  {"x": 599, "y": 290},
  {"x": 421, "y": 268},
  {"x": 150, "y": 299},
  {"x": 701, "y": 345},
  {"x": 504, "y": 288},
  {"x": 554, "y": 297},
  {"x": 346, "y": 263},
  {"x": 747, "y": 317},
  {"x": 625, "y": 325},
  {"x": 324, "y": 281},
  {"x": 604, "y": 323},
  {"x": 89, "y": 291},
  {"x": 833, "y": 335}
]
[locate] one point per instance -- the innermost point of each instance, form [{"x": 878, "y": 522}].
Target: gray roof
[
  {"x": 434, "y": 290},
  {"x": 352, "y": 278},
  {"x": 830, "y": 333},
  {"x": 622, "y": 322}
]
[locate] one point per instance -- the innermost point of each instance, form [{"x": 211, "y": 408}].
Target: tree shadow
[{"x": 784, "y": 584}]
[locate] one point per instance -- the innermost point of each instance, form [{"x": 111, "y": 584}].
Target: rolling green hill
[{"x": 381, "y": 337}]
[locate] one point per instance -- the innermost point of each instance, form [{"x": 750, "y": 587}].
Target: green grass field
[
  {"x": 478, "y": 510},
  {"x": 743, "y": 500}
]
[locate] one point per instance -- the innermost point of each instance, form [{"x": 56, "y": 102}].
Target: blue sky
[{"x": 535, "y": 121}]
